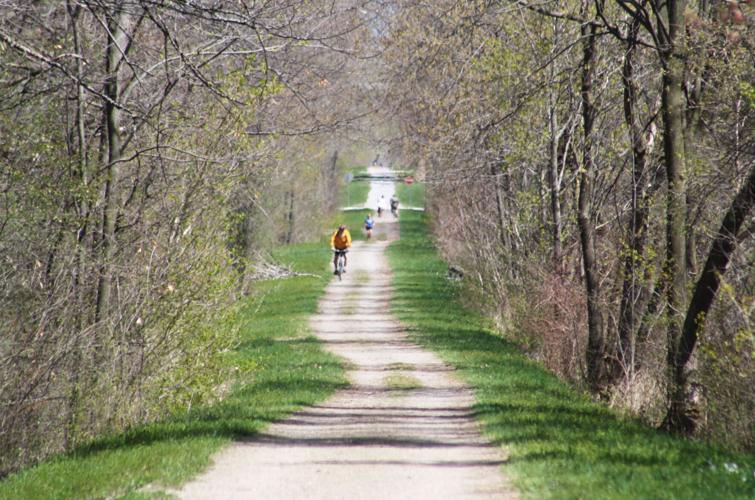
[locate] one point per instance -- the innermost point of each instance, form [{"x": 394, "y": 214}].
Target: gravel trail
[{"x": 402, "y": 429}]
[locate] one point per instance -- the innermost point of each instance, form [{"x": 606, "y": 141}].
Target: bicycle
[{"x": 340, "y": 263}]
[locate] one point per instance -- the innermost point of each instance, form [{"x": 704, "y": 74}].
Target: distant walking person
[
  {"x": 369, "y": 223},
  {"x": 381, "y": 205}
]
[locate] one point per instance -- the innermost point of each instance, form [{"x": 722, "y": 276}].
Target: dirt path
[{"x": 401, "y": 430}]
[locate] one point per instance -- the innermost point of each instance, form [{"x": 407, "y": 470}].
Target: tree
[
  {"x": 488, "y": 97},
  {"x": 131, "y": 131}
]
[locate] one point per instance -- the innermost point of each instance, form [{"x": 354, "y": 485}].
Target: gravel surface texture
[{"x": 402, "y": 429}]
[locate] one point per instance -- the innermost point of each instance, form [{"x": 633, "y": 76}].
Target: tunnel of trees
[{"x": 589, "y": 164}]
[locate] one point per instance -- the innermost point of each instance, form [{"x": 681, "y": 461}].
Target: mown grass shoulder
[
  {"x": 560, "y": 443},
  {"x": 282, "y": 368},
  {"x": 355, "y": 192},
  {"x": 354, "y": 220},
  {"x": 411, "y": 195}
]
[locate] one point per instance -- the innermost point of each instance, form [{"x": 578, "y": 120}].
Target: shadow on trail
[
  {"x": 283, "y": 374},
  {"x": 555, "y": 435},
  {"x": 235, "y": 417}
]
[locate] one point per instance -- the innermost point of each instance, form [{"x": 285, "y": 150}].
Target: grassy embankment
[
  {"x": 285, "y": 369},
  {"x": 560, "y": 444},
  {"x": 410, "y": 195},
  {"x": 355, "y": 192}
]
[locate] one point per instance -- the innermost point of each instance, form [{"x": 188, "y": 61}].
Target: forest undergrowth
[
  {"x": 279, "y": 368},
  {"x": 560, "y": 443}
]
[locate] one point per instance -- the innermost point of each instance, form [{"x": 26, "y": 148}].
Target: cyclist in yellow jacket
[{"x": 340, "y": 243}]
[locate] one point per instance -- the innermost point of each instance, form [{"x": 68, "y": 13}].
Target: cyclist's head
[{"x": 341, "y": 228}]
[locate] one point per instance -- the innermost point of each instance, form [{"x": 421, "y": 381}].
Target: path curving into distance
[{"x": 402, "y": 429}]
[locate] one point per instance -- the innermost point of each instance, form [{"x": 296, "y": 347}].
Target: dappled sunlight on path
[{"x": 402, "y": 429}]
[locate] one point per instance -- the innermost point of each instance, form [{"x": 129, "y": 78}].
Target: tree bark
[
  {"x": 290, "y": 217},
  {"x": 332, "y": 180},
  {"x": 624, "y": 361},
  {"x": 672, "y": 101},
  {"x": 113, "y": 58},
  {"x": 83, "y": 170},
  {"x": 554, "y": 185},
  {"x": 504, "y": 229},
  {"x": 703, "y": 298},
  {"x": 554, "y": 180},
  {"x": 595, "y": 340},
  {"x": 83, "y": 310}
]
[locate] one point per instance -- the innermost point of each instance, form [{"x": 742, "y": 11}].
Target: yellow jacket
[{"x": 342, "y": 242}]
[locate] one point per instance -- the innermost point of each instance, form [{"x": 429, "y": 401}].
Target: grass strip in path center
[
  {"x": 560, "y": 444},
  {"x": 287, "y": 369}
]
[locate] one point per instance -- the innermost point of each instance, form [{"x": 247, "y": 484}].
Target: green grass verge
[
  {"x": 411, "y": 195},
  {"x": 354, "y": 193},
  {"x": 287, "y": 369},
  {"x": 560, "y": 444},
  {"x": 354, "y": 220}
]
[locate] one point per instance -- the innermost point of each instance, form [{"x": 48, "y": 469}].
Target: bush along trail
[
  {"x": 281, "y": 366},
  {"x": 559, "y": 443},
  {"x": 403, "y": 428}
]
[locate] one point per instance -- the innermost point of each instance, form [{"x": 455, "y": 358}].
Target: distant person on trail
[
  {"x": 369, "y": 223},
  {"x": 394, "y": 205},
  {"x": 381, "y": 205},
  {"x": 339, "y": 244}
]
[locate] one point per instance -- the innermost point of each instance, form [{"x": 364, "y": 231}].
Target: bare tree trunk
[
  {"x": 693, "y": 117},
  {"x": 704, "y": 295},
  {"x": 71, "y": 430},
  {"x": 634, "y": 253},
  {"x": 332, "y": 181},
  {"x": 504, "y": 230},
  {"x": 83, "y": 150},
  {"x": 290, "y": 217},
  {"x": 554, "y": 185},
  {"x": 543, "y": 195},
  {"x": 595, "y": 341},
  {"x": 334, "y": 164},
  {"x": 672, "y": 102},
  {"x": 113, "y": 58},
  {"x": 554, "y": 180}
]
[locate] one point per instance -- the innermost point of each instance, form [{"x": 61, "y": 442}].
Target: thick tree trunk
[
  {"x": 672, "y": 102},
  {"x": 595, "y": 341},
  {"x": 703, "y": 297}
]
